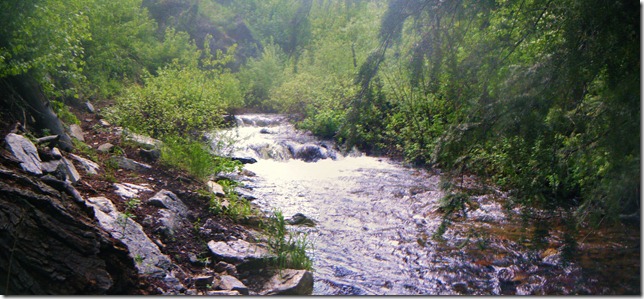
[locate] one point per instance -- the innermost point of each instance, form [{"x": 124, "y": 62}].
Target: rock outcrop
[{"x": 49, "y": 244}]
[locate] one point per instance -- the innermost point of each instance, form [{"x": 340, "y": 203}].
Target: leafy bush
[{"x": 180, "y": 100}]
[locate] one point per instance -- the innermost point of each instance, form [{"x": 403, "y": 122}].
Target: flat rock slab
[
  {"x": 127, "y": 190},
  {"x": 87, "y": 165},
  {"x": 148, "y": 257},
  {"x": 25, "y": 151},
  {"x": 289, "y": 282},
  {"x": 237, "y": 251},
  {"x": 130, "y": 164},
  {"x": 144, "y": 141}
]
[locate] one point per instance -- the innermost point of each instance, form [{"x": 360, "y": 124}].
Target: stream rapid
[{"x": 376, "y": 218}]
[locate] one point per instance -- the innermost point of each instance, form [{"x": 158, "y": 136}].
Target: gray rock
[
  {"x": 216, "y": 188},
  {"x": 127, "y": 190},
  {"x": 90, "y": 107},
  {"x": 148, "y": 257},
  {"x": 168, "y": 223},
  {"x": 167, "y": 200},
  {"x": 237, "y": 251},
  {"x": 56, "y": 168},
  {"x": 105, "y": 148},
  {"x": 144, "y": 141},
  {"x": 300, "y": 219},
  {"x": 265, "y": 131},
  {"x": 87, "y": 165},
  {"x": 130, "y": 164},
  {"x": 230, "y": 283},
  {"x": 72, "y": 174},
  {"x": 76, "y": 132},
  {"x": 245, "y": 194},
  {"x": 55, "y": 152},
  {"x": 25, "y": 151},
  {"x": 289, "y": 282}
]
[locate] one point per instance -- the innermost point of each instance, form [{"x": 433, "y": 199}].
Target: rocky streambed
[{"x": 376, "y": 223}]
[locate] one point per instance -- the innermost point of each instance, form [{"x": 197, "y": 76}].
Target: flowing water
[{"x": 376, "y": 219}]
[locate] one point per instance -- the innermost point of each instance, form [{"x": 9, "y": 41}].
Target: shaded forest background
[{"x": 538, "y": 97}]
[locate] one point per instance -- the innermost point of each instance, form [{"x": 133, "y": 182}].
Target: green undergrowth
[
  {"x": 195, "y": 158},
  {"x": 289, "y": 247}
]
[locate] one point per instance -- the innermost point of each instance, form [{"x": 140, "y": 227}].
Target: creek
[{"x": 375, "y": 221}]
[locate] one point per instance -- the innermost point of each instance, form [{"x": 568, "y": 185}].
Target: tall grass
[
  {"x": 195, "y": 158},
  {"x": 289, "y": 247}
]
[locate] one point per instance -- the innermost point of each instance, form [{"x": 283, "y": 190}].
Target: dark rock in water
[
  {"x": 309, "y": 152},
  {"x": 244, "y": 160},
  {"x": 300, "y": 219},
  {"x": 51, "y": 245},
  {"x": 289, "y": 282},
  {"x": 245, "y": 194},
  {"x": 150, "y": 155},
  {"x": 265, "y": 131}
]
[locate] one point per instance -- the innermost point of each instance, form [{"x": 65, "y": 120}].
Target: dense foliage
[{"x": 539, "y": 97}]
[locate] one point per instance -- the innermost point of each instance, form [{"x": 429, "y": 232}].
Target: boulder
[
  {"x": 25, "y": 151},
  {"x": 289, "y": 282},
  {"x": 87, "y": 165},
  {"x": 216, "y": 188},
  {"x": 56, "y": 154},
  {"x": 238, "y": 251},
  {"x": 150, "y": 260},
  {"x": 230, "y": 283},
  {"x": 308, "y": 152},
  {"x": 300, "y": 219},
  {"x": 130, "y": 164},
  {"x": 105, "y": 148},
  {"x": 127, "y": 190},
  {"x": 76, "y": 132},
  {"x": 244, "y": 160}
]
